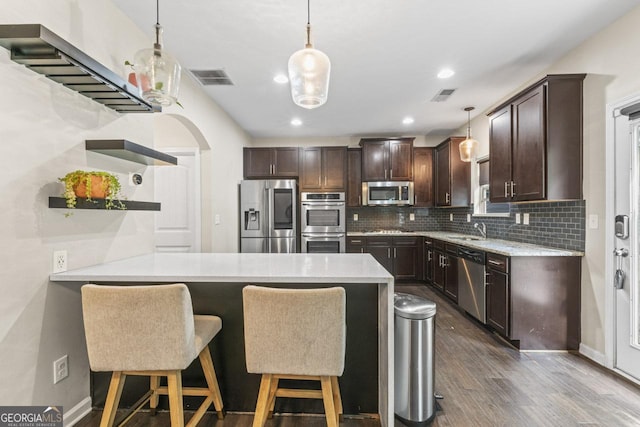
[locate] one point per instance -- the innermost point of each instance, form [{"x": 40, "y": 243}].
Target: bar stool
[
  {"x": 295, "y": 334},
  {"x": 149, "y": 331}
]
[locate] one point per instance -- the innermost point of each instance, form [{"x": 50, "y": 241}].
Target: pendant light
[
  {"x": 468, "y": 146},
  {"x": 157, "y": 72},
  {"x": 309, "y": 71}
]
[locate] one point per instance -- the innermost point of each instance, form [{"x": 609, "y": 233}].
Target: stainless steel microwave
[{"x": 387, "y": 193}]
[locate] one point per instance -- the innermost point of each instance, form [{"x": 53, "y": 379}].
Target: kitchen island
[{"x": 215, "y": 282}]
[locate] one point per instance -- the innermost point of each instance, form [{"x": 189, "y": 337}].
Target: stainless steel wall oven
[{"x": 323, "y": 225}]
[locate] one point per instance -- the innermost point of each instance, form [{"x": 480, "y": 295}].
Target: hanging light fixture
[
  {"x": 309, "y": 71},
  {"x": 157, "y": 72},
  {"x": 468, "y": 146}
]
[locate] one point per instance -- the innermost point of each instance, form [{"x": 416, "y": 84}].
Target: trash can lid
[{"x": 413, "y": 307}]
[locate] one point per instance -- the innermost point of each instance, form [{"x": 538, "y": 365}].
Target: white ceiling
[{"x": 385, "y": 55}]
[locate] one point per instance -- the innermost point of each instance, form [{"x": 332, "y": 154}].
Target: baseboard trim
[
  {"x": 76, "y": 413},
  {"x": 592, "y": 354}
]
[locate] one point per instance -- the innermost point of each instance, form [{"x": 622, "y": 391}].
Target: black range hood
[{"x": 34, "y": 46}]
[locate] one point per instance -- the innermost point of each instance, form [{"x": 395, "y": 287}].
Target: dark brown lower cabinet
[
  {"x": 380, "y": 248},
  {"x": 535, "y": 301},
  {"x": 356, "y": 245},
  {"x": 407, "y": 258},
  {"x": 451, "y": 272}
]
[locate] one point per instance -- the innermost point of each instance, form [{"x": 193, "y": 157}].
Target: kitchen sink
[{"x": 465, "y": 237}]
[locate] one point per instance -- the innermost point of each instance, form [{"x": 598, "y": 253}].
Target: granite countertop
[
  {"x": 234, "y": 267},
  {"x": 497, "y": 246}
]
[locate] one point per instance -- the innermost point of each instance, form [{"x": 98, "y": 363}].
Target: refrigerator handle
[{"x": 269, "y": 209}]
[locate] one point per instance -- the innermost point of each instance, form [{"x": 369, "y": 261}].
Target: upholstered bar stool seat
[
  {"x": 295, "y": 334},
  {"x": 150, "y": 331}
]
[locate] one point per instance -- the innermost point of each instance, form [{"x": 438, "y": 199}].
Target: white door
[
  {"x": 625, "y": 272},
  {"x": 177, "y": 188}
]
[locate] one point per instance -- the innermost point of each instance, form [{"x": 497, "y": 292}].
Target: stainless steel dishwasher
[{"x": 472, "y": 283}]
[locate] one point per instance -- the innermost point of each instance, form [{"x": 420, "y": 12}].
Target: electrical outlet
[
  {"x": 59, "y": 261},
  {"x": 412, "y": 217},
  {"x": 517, "y": 218},
  {"x": 525, "y": 219},
  {"x": 593, "y": 221},
  {"x": 468, "y": 217},
  {"x": 355, "y": 216},
  {"x": 60, "y": 369},
  {"x": 216, "y": 219},
  {"x": 451, "y": 217}
]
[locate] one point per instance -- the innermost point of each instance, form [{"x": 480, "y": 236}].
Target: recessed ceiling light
[
  {"x": 281, "y": 78},
  {"x": 296, "y": 122},
  {"x": 407, "y": 120},
  {"x": 445, "y": 73}
]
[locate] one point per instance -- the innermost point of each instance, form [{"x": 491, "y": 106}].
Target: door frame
[{"x": 612, "y": 112}]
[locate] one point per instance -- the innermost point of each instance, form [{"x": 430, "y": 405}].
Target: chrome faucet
[{"x": 482, "y": 228}]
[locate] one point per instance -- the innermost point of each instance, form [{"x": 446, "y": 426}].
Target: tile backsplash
[{"x": 552, "y": 224}]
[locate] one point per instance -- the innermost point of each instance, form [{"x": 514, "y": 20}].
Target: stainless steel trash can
[{"x": 414, "y": 359}]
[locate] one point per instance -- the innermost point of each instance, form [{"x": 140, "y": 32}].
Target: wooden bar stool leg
[
  {"x": 272, "y": 396},
  {"x": 154, "y": 383},
  {"x": 327, "y": 398},
  {"x": 174, "y": 384},
  {"x": 212, "y": 381},
  {"x": 113, "y": 398},
  {"x": 337, "y": 398},
  {"x": 262, "y": 405}
]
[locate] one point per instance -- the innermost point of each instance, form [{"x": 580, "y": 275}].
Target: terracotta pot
[
  {"x": 99, "y": 188},
  {"x": 145, "y": 81}
]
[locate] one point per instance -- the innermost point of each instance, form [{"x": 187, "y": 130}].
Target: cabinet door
[
  {"x": 429, "y": 260},
  {"x": 438, "y": 270},
  {"x": 500, "y": 141},
  {"x": 400, "y": 160},
  {"x": 529, "y": 140},
  {"x": 285, "y": 162},
  {"x": 498, "y": 301},
  {"x": 374, "y": 161},
  {"x": 354, "y": 177},
  {"x": 356, "y": 245},
  {"x": 451, "y": 277},
  {"x": 334, "y": 168},
  {"x": 257, "y": 162},
  {"x": 460, "y": 175},
  {"x": 423, "y": 176},
  {"x": 443, "y": 183},
  {"x": 382, "y": 254},
  {"x": 311, "y": 176}
]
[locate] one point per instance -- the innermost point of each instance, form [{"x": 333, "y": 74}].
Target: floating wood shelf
[
  {"x": 44, "y": 52},
  {"x": 131, "y": 205},
  {"x": 127, "y": 150}
]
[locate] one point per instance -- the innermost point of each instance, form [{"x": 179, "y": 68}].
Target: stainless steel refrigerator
[{"x": 268, "y": 216}]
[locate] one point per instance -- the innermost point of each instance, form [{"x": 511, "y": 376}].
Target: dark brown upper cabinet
[
  {"x": 535, "y": 142},
  {"x": 323, "y": 168},
  {"x": 453, "y": 176},
  {"x": 387, "y": 159},
  {"x": 354, "y": 177},
  {"x": 423, "y": 176},
  {"x": 270, "y": 162}
]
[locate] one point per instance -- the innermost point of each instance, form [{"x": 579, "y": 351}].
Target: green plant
[{"x": 110, "y": 184}]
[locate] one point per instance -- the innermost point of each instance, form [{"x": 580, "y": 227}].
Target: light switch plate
[
  {"x": 593, "y": 222},
  {"x": 451, "y": 217},
  {"x": 216, "y": 219},
  {"x": 355, "y": 216},
  {"x": 517, "y": 218},
  {"x": 468, "y": 217},
  {"x": 412, "y": 217},
  {"x": 525, "y": 219}
]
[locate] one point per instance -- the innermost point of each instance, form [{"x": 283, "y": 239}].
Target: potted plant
[{"x": 92, "y": 185}]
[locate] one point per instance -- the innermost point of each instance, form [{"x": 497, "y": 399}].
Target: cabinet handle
[
  {"x": 273, "y": 169},
  {"x": 429, "y": 258},
  {"x": 506, "y": 189},
  {"x": 361, "y": 250},
  {"x": 388, "y": 252},
  {"x": 319, "y": 181},
  {"x": 385, "y": 174},
  {"x": 359, "y": 200},
  {"x": 415, "y": 200},
  {"x": 390, "y": 173},
  {"x": 395, "y": 255},
  {"x": 495, "y": 262},
  {"x": 356, "y": 241},
  {"x": 325, "y": 181},
  {"x": 513, "y": 192}
]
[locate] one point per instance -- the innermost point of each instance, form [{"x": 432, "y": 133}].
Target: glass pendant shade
[
  {"x": 158, "y": 76},
  {"x": 467, "y": 149},
  {"x": 309, "y": 71}
]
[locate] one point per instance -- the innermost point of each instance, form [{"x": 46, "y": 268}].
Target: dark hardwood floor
[{"x": 485, "y": 382}]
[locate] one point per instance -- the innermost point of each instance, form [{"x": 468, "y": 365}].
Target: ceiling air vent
[
  {"x": 212, "y": 77},
  {"x": 443, "y": 95}
]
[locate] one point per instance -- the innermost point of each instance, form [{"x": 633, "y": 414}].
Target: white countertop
[
  {"x": 498, "y": 246},
  {"x": 232, "y": 267}
]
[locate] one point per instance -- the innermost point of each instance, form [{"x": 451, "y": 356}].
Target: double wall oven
[{"x": 323, "y": 217}]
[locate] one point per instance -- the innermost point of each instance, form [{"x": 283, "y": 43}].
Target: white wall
[
  {"x": 613, "y": 71},
  {"x": 43, "y": 127}
]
